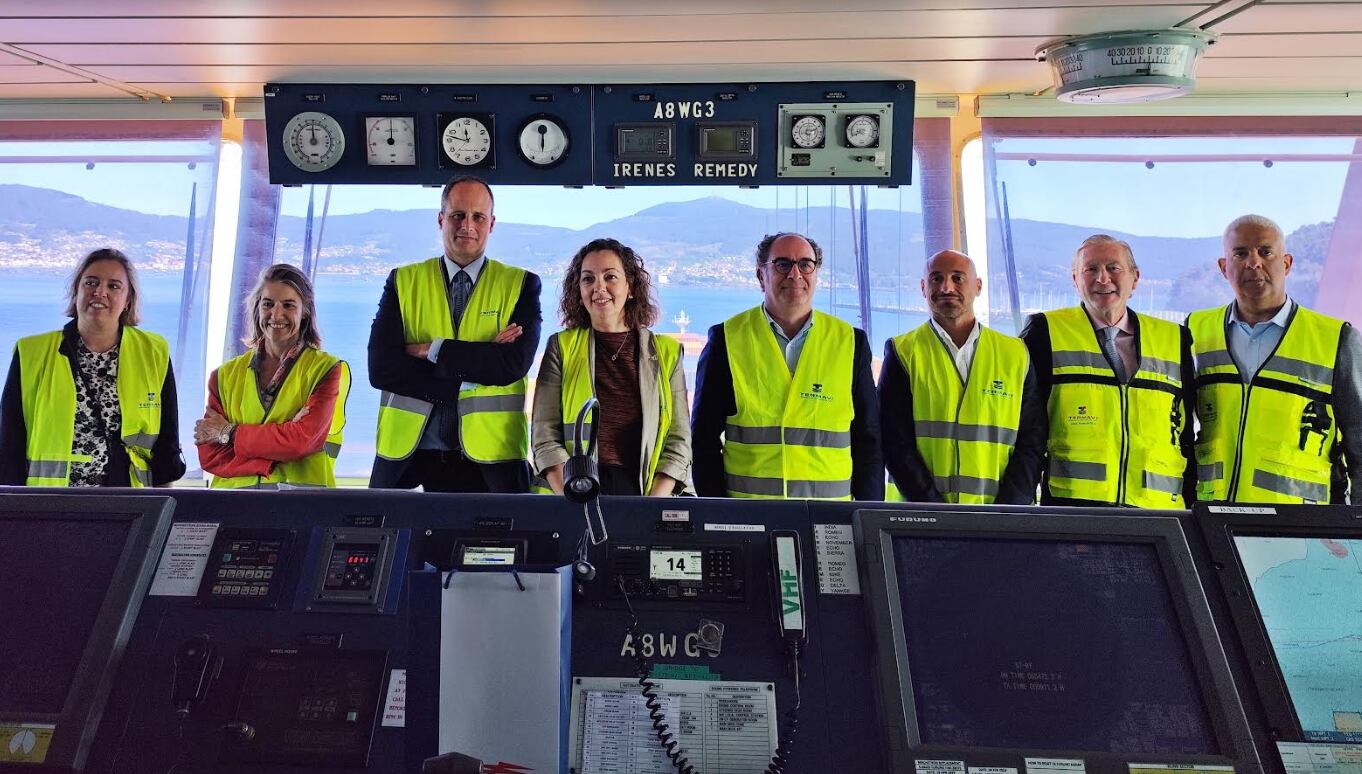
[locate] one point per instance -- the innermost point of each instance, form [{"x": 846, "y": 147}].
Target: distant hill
[{"x": 707, "y": 242}]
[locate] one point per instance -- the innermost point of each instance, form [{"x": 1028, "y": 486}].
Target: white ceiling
[{"x": 230, "y": 48}]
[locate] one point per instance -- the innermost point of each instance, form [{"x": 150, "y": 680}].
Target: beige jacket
[{"x": 546, "y": 426}]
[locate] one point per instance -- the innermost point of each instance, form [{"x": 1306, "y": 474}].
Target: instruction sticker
[
  {"x": 395, "y": 706},
  {"x": 932, "y": 766},
  {"x": 1055, "y": 766},
  {"x": 184, "y": 559},
  {"x": 836, "y": 550}
]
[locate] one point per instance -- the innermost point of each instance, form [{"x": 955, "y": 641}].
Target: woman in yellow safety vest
[
  {"x": 607, "y": 350},
  {"x": 92, "y": 404},
  {"x": 275, "y": 414}
]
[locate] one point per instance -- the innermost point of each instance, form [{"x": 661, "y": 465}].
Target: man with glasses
[
  {"x": 785, "y": 403},
  {"x": 1119, "y": 390},
  {"x": 1278, "y": 392},
  {"x": 961, "y": 418},
  {"x": 450, "y": 349}
]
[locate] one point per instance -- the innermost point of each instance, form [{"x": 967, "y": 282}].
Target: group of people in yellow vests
[{"x": 1254, "y": 401}]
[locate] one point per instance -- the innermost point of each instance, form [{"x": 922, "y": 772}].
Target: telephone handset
[{"x": 197, "y": 664}]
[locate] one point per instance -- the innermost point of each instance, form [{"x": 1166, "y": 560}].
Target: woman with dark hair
[
  {"x": 607, "y": 350},
  {"x": 275, "y": 414},
  {"x": 92, "y": 404}
]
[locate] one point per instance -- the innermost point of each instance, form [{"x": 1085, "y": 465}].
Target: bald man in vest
[
  {"x": 1279, "y": 390},
  {"x": 960, "y": 415},
  {"x": 785, "y": 402},
  {"x": 450, "y": 348}
]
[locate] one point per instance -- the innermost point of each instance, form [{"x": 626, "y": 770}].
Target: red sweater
[{"x": 255, "y": 448}]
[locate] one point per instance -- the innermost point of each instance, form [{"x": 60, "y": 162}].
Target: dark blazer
[
  {"x": 909, "y": 470},
  {"x": 715, "y": 403},
  {"x": 1036, "y": 334},
  {"x": 167, "y": 463},
  {"x": 483, "y": 362}
]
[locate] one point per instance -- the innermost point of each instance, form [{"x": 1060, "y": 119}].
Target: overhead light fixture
[{"x": 1123, "y": 67}]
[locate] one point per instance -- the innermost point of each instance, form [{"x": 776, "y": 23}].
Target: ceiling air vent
[{"x": 1121, "y": 67}]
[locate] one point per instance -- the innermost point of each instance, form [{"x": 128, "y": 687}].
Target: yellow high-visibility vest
[
  {"x": 965, "y": 431},
  {"x": 49, "y": 401},
  {"x": 578, "y": 386},
  {"x": 1267, "y": 441},
  {"x": 241, "y": 402},
  {"x": 1110, "y": 442},
  {"x": 791, "y": 435},
  {"x": 492, "y": 423}
]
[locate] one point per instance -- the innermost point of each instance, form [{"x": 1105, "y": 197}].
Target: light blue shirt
[
  {"x": 1252, "y": 343},
  {"x": 791, "y": 346},
  {"x": 430, "y": 439}
]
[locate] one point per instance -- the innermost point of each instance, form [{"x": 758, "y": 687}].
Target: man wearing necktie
[
  {"x": 1278, "y": 385},
  {"x": 1120, "y": 389},
  {"x": 450, "y": 348}
]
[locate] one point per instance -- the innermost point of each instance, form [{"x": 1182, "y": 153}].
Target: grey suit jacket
[{"x": 548, "y": 445}]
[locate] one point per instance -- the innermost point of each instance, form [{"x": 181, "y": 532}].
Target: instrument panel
[{"x": 611, "y": 135}]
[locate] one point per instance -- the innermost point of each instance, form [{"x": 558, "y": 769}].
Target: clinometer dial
[
  {"x": 390, "y": 141},
  {"x": 808, "y": 131}
]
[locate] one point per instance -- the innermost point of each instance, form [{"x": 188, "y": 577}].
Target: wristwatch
[{"x": 225, "y": 434}]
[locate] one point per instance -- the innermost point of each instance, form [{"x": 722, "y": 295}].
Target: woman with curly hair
[{"x": 607, "y": 350}]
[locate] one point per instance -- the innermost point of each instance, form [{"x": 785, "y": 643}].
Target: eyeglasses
[{"x": 784, "y": 265}]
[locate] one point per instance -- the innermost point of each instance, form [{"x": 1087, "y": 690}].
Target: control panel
[
  {"x": 699, "y": 573},
  {"x": 612, "y": 135},
  {"x": 314, "y": 707},
  {"x": 246, "y": 568},
  {"x": 356, "y": 567}
]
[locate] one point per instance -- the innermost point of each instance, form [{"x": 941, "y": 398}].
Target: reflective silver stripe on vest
[
  {"x": 1213, "y": 472},
  {"x": 766, "y": 487},
  {"x": 826, "y": 439},
  {"x": 404, "y": 403},
  {"x": 1299, "y": 368},
  {"x": 739, "y": 434},
  {"x": 1162, "y": 367},
  {"x": 143, "y": 476},
  {"x": 332, "y": 449},
  {"x": 1087, "y": 471},
  {"x": 1291, "y": 487},
  {"x": 984, "y": 487},
  {"x": 49, "y": 469},
  {"x": 952, "y": 432},
  {"x": 570, "y": 430},
  {"x": 1073, "y": 358},
  {"x": 794, "y": 436},
  {"x": 490, "y": 403},
  {"x": 1214, "y": 358},
  {"x": 1160, "y": 483},
  {"x": 820, "y": 489},
  {"x": 140, "y": 440}
]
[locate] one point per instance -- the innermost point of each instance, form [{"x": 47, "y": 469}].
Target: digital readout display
[
  {"x": 485, "y": 556},
  {"x": 668, "y": 564}
]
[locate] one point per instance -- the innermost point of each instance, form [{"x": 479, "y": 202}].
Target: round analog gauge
[
  {"x": 808, "y": 132},
  {"x": 313, "y": 141},
  {"x": 543, "y": 141},
  {"x": 391, "y": 141},
  {"x": 863, "y": 132},
  {"x": 466, "y": 140}
]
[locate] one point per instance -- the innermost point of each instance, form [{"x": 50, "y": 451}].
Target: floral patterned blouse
[{"x": 98, "y": 417}]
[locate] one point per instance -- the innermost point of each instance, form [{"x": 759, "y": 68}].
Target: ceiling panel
[
  {"x": 11, "y": 74},
  {"x": 1042, "y": 22},
  {"x": 569, "y": 55},
  {"x": 1278, "y": 46},
  {"x": 482, "y": 8}
]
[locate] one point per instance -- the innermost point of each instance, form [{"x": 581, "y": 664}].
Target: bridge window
[
  {"x": 144, "y": 187},
  {"x": 1168, "y": 186}
]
